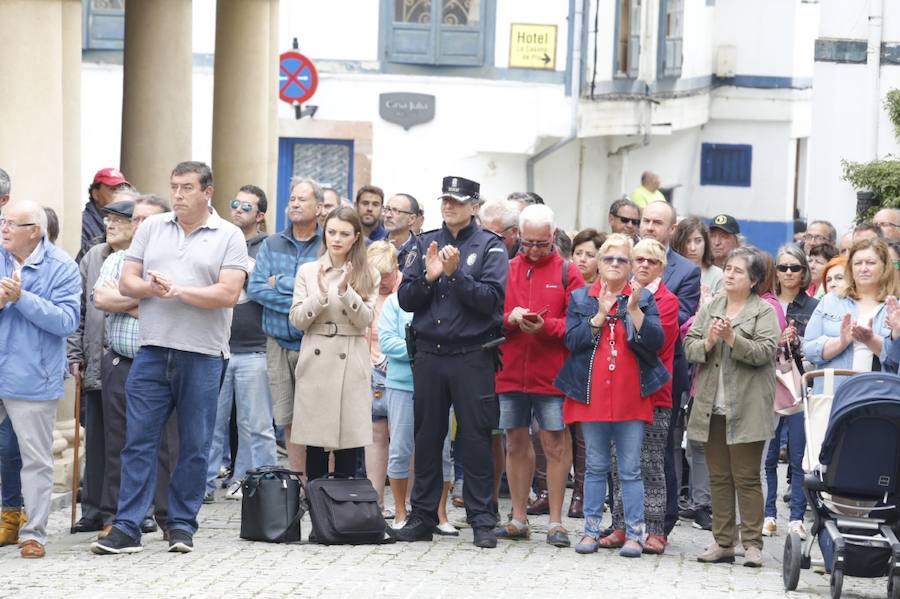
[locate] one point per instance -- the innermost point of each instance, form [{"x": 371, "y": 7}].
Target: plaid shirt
[
  {"x": 121, "y": 327},
  {"x": 280, "y": 256}
]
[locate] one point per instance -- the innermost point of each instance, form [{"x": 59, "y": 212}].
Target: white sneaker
[
  {"x": 397, "y": 525},
  {"x": 234, "y": 492},
  {"x": 797, "y": 527},
  {"x": 770, "y": 528}
]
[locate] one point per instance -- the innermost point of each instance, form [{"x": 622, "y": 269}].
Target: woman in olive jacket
[{"x": 733, "y": 341}]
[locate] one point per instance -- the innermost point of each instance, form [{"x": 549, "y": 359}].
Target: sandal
[
  {"x": 31, "y": 549},
  {"x": 655, "y": 545},
  {"x": 614, "y": 540}
]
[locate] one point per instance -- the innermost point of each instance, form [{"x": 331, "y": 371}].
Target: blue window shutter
[
  {"x": 726, "y": 164},
  {"x": 462, "y": 46},
  {"x": 104, "y": 28},
  {"x": 411, "y": 43}
]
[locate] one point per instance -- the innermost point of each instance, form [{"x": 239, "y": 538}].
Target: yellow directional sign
[{"x": 532, "y": 46}]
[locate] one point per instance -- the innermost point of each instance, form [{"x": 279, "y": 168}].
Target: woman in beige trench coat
[{"x": 333, "y": 305}]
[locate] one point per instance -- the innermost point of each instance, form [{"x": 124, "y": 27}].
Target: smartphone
[{"x": 533, "y": 316}]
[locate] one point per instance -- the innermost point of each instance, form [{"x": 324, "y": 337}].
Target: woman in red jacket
[{"x": 649, "y": 260}]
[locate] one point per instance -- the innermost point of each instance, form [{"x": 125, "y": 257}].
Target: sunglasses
[
  {"x": 789, "y": 267},
  {"x": 650, "y": 261},
  {"x": 534, "y": 244},
  {"x": 245, "y": 206},
  {"x": 615, "y": 260},
  {"x": 635, "y": 222}
]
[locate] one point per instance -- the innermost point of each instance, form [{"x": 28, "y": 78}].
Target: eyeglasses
[
  {"x": 790, "y": 267},
  {"x": 245, "y": 206},
  {"x": 534, "y": 244},
  {"x": 615, "y": 260},
  {"x": 811, "y": 237},
  {"x": 389, "y": 210},
  {"x": 626, "y": 221},
  {"x": 650, "y": 261},
  {"x": 107, "y": 221},
  {"x": 8, "y": 223},
  {"x": 885, "y": 224}
]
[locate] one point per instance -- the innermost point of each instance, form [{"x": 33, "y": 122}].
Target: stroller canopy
[{"x": 877, "y": 393}]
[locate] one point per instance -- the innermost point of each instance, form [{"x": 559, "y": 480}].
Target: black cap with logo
[
  {"x": 726, "y": 223},
  {"x": 459, "y": 189}
]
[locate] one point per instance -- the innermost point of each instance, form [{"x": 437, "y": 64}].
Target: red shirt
[
  {"x": 532, "y": 361},
  {"x": 667, "y": 304},
  {"x": 615, "y": 395}
]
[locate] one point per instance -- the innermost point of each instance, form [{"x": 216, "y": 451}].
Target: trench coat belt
[{"x": 331, "y": 329}]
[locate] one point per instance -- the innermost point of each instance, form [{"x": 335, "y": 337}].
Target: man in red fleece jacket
[{"x": 534, "y": 321}]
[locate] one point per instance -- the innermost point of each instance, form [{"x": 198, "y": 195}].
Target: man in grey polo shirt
[{"x": 187, "y": 268}]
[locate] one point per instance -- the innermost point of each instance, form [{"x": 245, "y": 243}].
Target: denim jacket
[
  {"x": 825, "y": 323},
  {"x": 574, "y": 377}
]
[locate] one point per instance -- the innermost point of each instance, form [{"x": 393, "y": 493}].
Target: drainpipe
[
  {"x": 873, "y": 75},
  {"x": 576, "y": 13}
]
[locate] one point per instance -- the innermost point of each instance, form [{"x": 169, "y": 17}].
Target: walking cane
[{"x": 76, "y": 447}]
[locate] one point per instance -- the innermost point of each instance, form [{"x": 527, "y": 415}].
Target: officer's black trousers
[{"x": 467, "y": 382}]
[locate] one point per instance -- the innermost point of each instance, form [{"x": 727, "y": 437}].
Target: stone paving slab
[{"x": 224, "y": 565}]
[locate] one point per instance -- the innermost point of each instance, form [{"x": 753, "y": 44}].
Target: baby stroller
[{"x": 852, "y": 487}]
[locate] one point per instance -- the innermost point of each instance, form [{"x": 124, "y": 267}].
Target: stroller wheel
[
  {"x": 791, "y": 561},
  {"x": 837, "y": 581},
  {"x": 894, "y": 587}
]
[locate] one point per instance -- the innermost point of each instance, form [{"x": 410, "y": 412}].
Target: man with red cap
[{"x": 100, "y": 193}]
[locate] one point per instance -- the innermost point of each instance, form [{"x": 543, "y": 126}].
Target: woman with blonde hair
[
  {"x": 334, "y": 304},
  {"x": 847, "y": 330},
  {"x": 382, "y": 256}
]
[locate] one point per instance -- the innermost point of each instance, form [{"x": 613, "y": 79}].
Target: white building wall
[
  {"x": 762, "y": 32},
  {"x": 698, "y": 55}
]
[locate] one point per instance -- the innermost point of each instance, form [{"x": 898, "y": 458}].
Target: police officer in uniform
[{"x": 454, "y": 283}]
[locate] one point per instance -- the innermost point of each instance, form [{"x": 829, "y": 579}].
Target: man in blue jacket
[
  {"x": 40, "y": 305},
  {"x": 272, "y": 286}
]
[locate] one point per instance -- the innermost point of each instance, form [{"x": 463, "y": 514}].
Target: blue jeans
[
  {"x": 793, "y": 424},
  {"x": 10, "y": 466},
  {"x": 517, "y": 410},
  {"x": 162, "y": 380},
  {"x": 247, "y": 384},
  {"x": 399, "y": 406},
  {"x": 628, "y": 437}
]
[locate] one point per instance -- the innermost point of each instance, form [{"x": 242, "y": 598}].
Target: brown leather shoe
[
  {"x": 576, "y": 507},
  {"x": 716, "y": 554},
  {"x": 540, "y": 506},
  {"x": 11, "y": 521},
  {"x": 31, "y": 549}
]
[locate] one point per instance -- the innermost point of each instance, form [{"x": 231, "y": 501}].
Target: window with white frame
[
  {"x": 436, "y": 32},
  {"x": 671, "y": 37}
]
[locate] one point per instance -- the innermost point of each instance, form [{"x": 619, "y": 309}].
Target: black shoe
[
  {"x": 149, "y": 525},
  {"x": 688, "y": 513},
  {"x": 416, "y": 529},
  {"x": 87, "y": 525},
  {"x": 703, "y": 518},
  {"x": 485, "y": 537},
  {"x": 180, "y": 541},
  {"x": 116, "y": 542}
]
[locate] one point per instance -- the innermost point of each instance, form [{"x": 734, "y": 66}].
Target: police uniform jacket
[{"x": 465, "y": 308}]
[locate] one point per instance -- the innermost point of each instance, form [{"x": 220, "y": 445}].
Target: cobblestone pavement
[{"x": 222, "y": 565}]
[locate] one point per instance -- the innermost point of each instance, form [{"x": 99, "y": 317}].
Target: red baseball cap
[{"x": 110, "y": 176}]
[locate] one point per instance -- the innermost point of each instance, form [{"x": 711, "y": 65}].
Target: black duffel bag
[
  {"x": 345, "y": 511},
  {"x": 271, "y": 508}
]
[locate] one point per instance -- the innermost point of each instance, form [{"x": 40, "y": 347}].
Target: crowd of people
[{"x": 636, "y": 364}]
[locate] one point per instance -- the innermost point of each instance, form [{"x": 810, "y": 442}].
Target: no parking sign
[{"x": 297, "y": 78}]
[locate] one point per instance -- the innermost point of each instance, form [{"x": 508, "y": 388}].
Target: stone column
[
  {"x": 245, "y": 95},
  {"x": 156, "y": 103},
  {"x": 41, "y": 128}
]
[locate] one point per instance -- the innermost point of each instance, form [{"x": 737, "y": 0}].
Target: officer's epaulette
[
  {"x": 430, "y": 233},
  {"x": 497, "y": 235}
]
